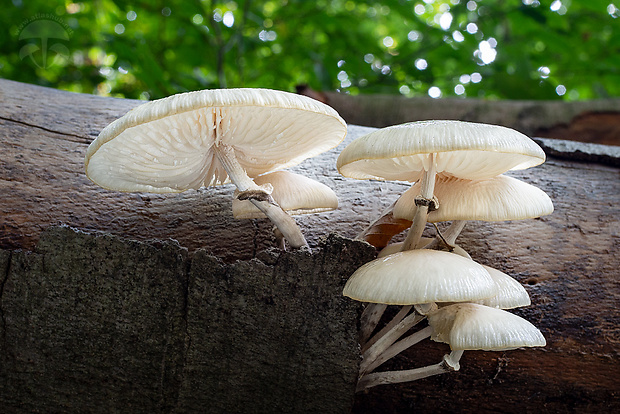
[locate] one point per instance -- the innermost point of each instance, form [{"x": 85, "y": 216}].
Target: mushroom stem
[
  {"x": 453, "y": 231},
  {"x": 425, "y": 308},
  {"x": 285, "y": 223},
  {"x": 453, "y": 359},
  {"x": 370, "y": 319},
  {"x": 388, "y": 339},
  {"x": 395, "y": 320},
  {"x": 449, "y": 363},
  {"x": 427, "y": 185},
  {"x": 414, "y": 235},
  {"x": 448, "y": 237},
  {"x": 400, "y": 346}
]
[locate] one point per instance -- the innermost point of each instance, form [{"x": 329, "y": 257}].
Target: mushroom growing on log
[
  {"x": 208, "y": 137},
  {"x": 467, "y": 160},
  {"x": 294, "y": 193}
]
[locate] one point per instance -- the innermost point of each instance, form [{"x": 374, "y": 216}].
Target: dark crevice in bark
[{"x": 70, "y": 137}]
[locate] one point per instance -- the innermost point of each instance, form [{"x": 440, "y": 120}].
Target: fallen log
[{"x": 568, "y": 262}]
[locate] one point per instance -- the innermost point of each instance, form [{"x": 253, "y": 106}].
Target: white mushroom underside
[
  {"x": 463, "y": 149},
  {"x": 420, "y": 276},
  {"x": 468, "y": 326},
  {"x": 294, "y": 193},
  {"x": 495, "y": 199},
  {"x": 466, "y": 164},
  {"x": 176, "y": 152}
]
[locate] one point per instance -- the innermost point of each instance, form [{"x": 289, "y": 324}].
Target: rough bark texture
[
  {"x": 273, "y": 334},
  {"x": 92, "y": 324},
  {"x": 568, "y": 261},
  {"x": 578, "y": 151},
  {"x": 95, "y": 323}
]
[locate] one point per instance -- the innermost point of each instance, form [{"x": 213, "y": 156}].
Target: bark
[
  {"x": 70, "y": 341},
  {"x": 95, "y": 323}
]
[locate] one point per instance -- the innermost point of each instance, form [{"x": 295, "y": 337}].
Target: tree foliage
[{"x": 498, "y": 49}]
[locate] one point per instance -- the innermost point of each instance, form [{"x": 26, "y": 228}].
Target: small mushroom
[
  {"x": 294, "y": 193},
  {"x": 209, "y": 137},
  {"x": 415, "y": 277},
  {"x": 418, "y": 277},
  {"x": 464, "y": 326},
  {"x": 423, "y": 150},
  {"x": 470, "y": 326},
  {"x": 494, "y": 199},
  {"x": 510, "y": 293}
]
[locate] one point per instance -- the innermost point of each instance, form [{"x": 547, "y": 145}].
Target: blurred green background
[{"x": 513, "y": 49}]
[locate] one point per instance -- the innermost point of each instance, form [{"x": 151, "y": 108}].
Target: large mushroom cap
[
  {"x": 463, "y": 149},
  {"x": 420, "y": 276},
  {"x": 469, "y": 326},
  {"x": 167, "y": 145},
  {"x": 294, "y": 193},
  {"x": 494, "y": 199}
]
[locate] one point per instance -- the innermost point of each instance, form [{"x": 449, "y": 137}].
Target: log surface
[{"x": 568, "y": 261}]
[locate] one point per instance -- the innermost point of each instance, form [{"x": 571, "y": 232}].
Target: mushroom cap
[
  {"x": 295, "y": 193},
  {"x": 420, "y": 276},
  {"x": 511, "y": 294},
  {"x": 167, "y": 145},
  {"x": 463, "y": 149},
  {"x": 493, "y": 199},
  {"x": 470, "y": 326}
]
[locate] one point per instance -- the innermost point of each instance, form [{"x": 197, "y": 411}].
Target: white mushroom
[
  {"x": 470, "y": 326},
  {"x": 418, "y": 277},
  {"x": 414, "y": 277},
  {"x": 294, "y": 193},
  {"x": 463, "y": 149},
  {"x": 510, "y": 293},
  {"x": 208, "y": 137},
  {"x": 494, "y": 199},
  {"x": 464, "y": 326},
  {"x": 421, "y": 150}
]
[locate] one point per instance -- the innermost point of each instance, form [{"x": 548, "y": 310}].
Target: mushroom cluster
[
  {"x": 248, "y": 136},
  {"x": 457, "y": 173},
  {"x": 211, "y": 137}
]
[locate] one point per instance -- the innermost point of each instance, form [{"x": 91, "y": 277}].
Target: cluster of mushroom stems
[{"x": 249, "y": 136}]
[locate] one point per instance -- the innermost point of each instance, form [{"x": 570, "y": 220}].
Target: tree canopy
[{"x": 496, "y": 49}]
